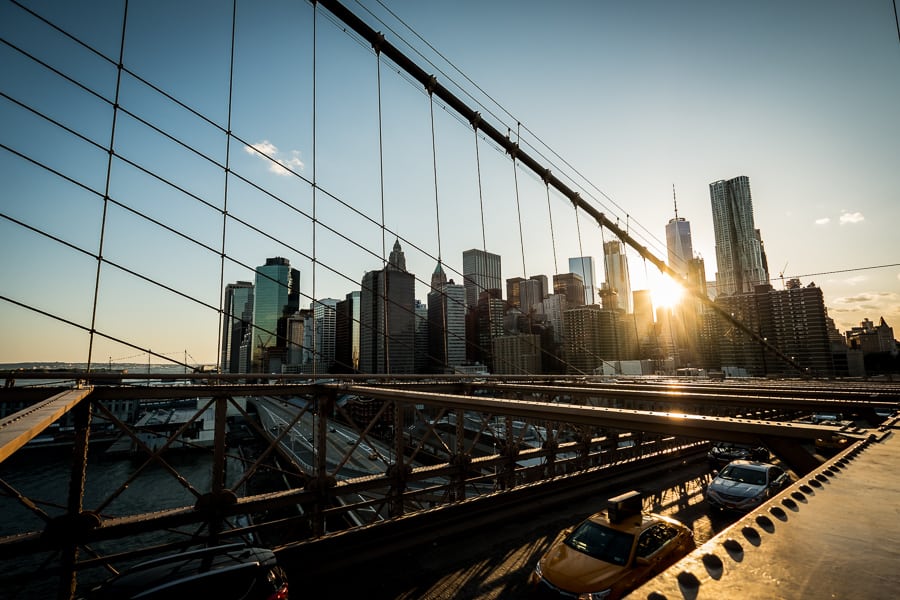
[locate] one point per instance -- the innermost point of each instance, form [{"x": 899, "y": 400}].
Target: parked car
[
  {"x": 232, "y": 572},
  {"x": 743, "y": 485},
  {"x": 722, "y": 453},
  {"x": 611, "y": 552}
]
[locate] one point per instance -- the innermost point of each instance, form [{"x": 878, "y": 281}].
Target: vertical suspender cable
[
  {"x": 445, "y": 301},
  {"x": 487, "y": 352},
  {"x": 226, "y": 312},
  {"x": 381, "y": 327},
  {"x": 111, "y": 149},
  {"x": 315, "y": 300}
]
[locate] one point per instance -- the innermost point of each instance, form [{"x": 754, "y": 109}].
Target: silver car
[{"x": 742, "y": 485}]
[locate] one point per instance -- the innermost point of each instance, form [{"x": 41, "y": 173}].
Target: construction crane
[{"x": 781, "y": 274}]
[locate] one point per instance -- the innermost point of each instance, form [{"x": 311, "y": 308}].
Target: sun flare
[{"x": 666, "y": 293}]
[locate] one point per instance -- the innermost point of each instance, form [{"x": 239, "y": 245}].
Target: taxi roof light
[{"x": 624, "y": 506}]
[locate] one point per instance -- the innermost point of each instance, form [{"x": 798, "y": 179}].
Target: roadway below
[{"x": 493, "y": 560}]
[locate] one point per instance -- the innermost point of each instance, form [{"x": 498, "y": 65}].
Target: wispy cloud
[
  {"x": 280, "y": 163},
  {"x": 823, "y": 221},
  {"x": 852, "y": 217}
]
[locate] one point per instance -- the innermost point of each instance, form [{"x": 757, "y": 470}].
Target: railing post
[
  {"x": 399, "y": 470},
  {"x": 69, "y": 550}
]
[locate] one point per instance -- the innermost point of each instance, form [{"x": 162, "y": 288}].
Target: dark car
[
  {"x": 722, "y": 453},
  {"x": 233, "y": 571},
  {"x": 743, "y": 485}
]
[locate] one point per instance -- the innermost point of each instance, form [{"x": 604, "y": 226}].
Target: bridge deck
[{"x": 834, "y": 534}]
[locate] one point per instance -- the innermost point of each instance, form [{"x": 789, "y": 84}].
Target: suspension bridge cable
[
  {"x": 106, "y": 190},
  {"x": 222, "y": 321},
  {"x": 493, "y": 100}
]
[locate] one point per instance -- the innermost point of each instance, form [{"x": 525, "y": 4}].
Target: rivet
[
  {"x": 779, "y": 513},
  {"x": 766, "y": 523},
  {"x": 714, "y": 565},
  {"x": 752, "y": 535},
  {"x": 688, "y": 580}
]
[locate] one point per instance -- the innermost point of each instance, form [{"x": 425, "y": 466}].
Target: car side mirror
[{"x": 641, "y": 561}]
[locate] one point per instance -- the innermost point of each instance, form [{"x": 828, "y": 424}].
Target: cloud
[
  {"x": 852, "y": 217},
  {"x": 280, "y": 163},
  {"x": 823, "y": 221}
]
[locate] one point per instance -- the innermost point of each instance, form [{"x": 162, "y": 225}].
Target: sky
[{"x": 626, "y": 102}]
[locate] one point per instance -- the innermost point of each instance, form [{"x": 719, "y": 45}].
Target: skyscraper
[
  {"x": 570, "y": 285},
  {"x": 276, "y": 296},
  {"x": 236, "y": 323},
  {"x": 481, "y": 272},
  {"x": 325, "y": 322},
  {"x": 387, "y": 318},
  {"x": 446, "y": 323},
  {"x": 678, "y": 244},
  {"x": 739, "y": 251},
  {"x": 678, "y": 241},
  {"x": 584, "y": 267},
  {"x": 617, "y": 277},
  {"x": 346, "y": 333}
]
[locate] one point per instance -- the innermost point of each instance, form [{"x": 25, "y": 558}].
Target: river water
[{"x": 42, "y": 475}]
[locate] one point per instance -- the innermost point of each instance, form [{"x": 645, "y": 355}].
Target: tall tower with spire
[
  {"x": 387, "y": 318},
  {"x": 678, "y": 241}
]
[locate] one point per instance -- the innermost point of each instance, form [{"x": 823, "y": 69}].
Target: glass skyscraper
[
  {"x": 617, "y": 278},
  {"x": 584, "y": 266},
  {"x": 275, "y": 298},
  {"x": 740, "y": 258},
  {"x": 236, "y": 322}
]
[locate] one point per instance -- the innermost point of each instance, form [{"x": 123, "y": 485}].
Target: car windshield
[
  {"x": 601, "y": 542},
  {"x": 744, "y": 475}
]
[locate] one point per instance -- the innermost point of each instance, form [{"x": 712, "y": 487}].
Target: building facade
[
  {"x": 583, "y": 266},
  {"x": 481, "y": 272},
  {"x": 276, "y": 296},
  {"x": 740, "y": 256},
  {"x": 387, "y": 318},
  {"x": 237, "y": 321},
  {"x": 617, "y": 277}
]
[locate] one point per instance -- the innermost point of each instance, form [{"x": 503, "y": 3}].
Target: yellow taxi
[{"x": 611, "y": 552}]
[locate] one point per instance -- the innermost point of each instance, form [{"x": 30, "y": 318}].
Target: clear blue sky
[{"x": 624, "y": 100}]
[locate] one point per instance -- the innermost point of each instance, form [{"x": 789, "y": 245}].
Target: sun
[{"x": 666, "y": 293}]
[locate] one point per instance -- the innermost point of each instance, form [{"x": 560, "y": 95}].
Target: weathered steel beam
[
  {"x": 699, "y": 426},
  {"x": 20, "y": 428}
]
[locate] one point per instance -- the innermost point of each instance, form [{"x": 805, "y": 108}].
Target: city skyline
[{"x": 631, "y": 102}]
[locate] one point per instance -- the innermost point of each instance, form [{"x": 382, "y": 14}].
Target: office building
[
  {"x": 388, "y": 318},
  {"x": 346, "y": 334},
  {"x": 237, "y": 320},
  {"x": 740, "y": 256},
  {"x": 276, "y": 296},
  {"x": 617, "y": 278},
  {"x": 324, "y": 313},
  {"x": 570, "y": 286},
  {"x": 517, "y": 354},
  {"x": 481, "y": 273},
  {"x": 446, "y": 323},
  {"x": 678, "y": 245},
  {"x": 583, "y": 266},
  {"x": 793, "y": 320}
]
